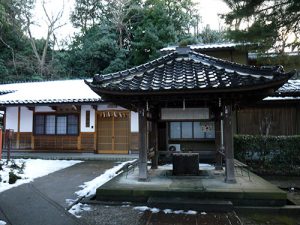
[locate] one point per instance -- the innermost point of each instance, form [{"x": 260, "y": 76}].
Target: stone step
[{"x": 181, "y": 203}]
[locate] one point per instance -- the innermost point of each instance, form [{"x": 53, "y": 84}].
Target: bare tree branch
[{"x": 12, "y": 53}]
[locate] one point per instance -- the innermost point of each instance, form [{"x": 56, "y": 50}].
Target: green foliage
[
  {"x": 290, "y": 62},
  {"x": 269, "y": 154},
  {"x": 86, "y": 14},
  {"x": 271, "y": 23},
  {"x": 16, "y": 56},
  {"x": 114, "y": 35},
  {"x": 126, "y": 33},
  {"x": 187, "y": 41},
  {"x": 162, "y": 23},
  {"x": 94, "y": 52}
]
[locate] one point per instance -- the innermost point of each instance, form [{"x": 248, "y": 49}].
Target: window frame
[
  {"x": 193, "y": 130},
  {"x": 44, "y": 115}
]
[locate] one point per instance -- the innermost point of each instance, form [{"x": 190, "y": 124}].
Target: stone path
[{"x": 43, "y": 201}]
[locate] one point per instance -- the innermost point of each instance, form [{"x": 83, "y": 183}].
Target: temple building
[
  {"x": 184, "y": 101},
  {"x": 187, "y": 99}
]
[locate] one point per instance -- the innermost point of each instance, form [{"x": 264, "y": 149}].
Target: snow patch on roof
[
  {"x": 48, "y": 92},
  {"x": 205, "y": 46},
  {"x": 280, "y": 98}
]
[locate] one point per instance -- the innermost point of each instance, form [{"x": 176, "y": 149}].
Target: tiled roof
[
  {"x": 186, "y": 71},
  {"x": 2, "y": 92},
  {"x": 289, "y": 91},
  {"x": 49, "y": 92},
  {"x": 290, "y": 88}
]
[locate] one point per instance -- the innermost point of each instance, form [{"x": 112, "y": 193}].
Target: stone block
[{"x": 185, "y": 164}]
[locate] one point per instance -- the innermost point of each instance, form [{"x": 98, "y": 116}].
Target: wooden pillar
[
  {"x": 228, "y": 142},
  {"x": 18, "y": 131},
  {"x": 218, "y": 145},
  {"x": 154, "y": 160},
  {"x": 143, "y": 173}
]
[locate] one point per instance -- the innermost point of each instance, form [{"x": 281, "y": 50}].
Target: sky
[{"x": 208, "y": 10}]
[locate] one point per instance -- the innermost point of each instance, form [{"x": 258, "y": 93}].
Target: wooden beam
[
  {"x": 143, "y": 173},
  {"x": 228, "y": 142},
  {"x": 95, "y": 107}
]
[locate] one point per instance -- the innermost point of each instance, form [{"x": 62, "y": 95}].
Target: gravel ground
[
  {"x": 269, "y": 219},
  {"x": 118, "y": 215},
  {"x": 111, "y": 215}
]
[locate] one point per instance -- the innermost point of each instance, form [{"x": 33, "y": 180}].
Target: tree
[
  {"x": 274, "y": 24},
  {"x": 86, "y": 14},
  {"x": 93, "y": 52},
  {"x": 52, "y": 25},
  {"x": 162, "y": 22},
  {"x": 12, "y": 41},
  {"x": 135, "y": 31},
  {"x": 212, "y": 36}
]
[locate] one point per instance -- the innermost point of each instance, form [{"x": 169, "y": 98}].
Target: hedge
[{"x": 276, "y": 155}]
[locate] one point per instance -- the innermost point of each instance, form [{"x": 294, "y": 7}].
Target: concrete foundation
[{"x": 208, "y": 186}]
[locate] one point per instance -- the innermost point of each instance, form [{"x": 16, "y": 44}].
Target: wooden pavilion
[{"x": 188, "y": 98}]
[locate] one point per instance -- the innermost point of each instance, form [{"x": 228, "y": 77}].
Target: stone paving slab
[
  {"x": 245, "y": 191},
  {"x": 43, "y": 201},
  {"x": 24, "y": 206},
  {"x": 63, "y": 184}
]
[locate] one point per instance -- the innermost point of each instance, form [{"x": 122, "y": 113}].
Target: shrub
[
  {"x": 269, "y": 154},
  {"x": 13, "y": 177},
  {"x": 15, "y": 166}
]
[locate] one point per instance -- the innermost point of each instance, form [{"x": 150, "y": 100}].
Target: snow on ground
[
  {"x": 2, "y": 222},
  {"x": 89, "y": 188},
  {"x": 167, "y": 211},
  {"x": 78, "y": 208},
  {"x": 34, "y": 168},
  {"x": 202, "y": 166}
]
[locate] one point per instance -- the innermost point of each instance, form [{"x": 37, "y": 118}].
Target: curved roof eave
[{"x": 272, "y": 84}]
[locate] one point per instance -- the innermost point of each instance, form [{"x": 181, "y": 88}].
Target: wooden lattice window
[{"x": 51, "y": 124}]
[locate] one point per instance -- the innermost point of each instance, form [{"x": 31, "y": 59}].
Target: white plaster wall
[
  {"x": 11, "y": 118},
  {"x": 44, "y": 109},
  {"x": 134, "y": 122},
  {"x": 83, "y": 128},
  {"x": 109, "y": 107},
  {"x": 26, "y": 120}
]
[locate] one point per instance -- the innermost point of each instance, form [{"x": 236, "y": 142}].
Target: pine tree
[{"x": 273, "y": 24}]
